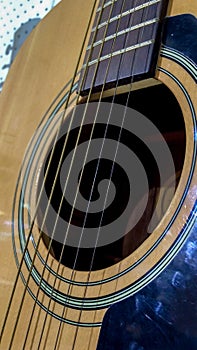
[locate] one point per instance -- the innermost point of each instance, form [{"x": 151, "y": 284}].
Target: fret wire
[
  {"x": 106, "y": 5},
  {"x": 126, "y": 13},
  {"x": 119, "y": 52},
  {"x": 124, "y": 31}
]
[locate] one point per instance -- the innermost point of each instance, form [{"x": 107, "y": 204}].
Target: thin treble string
[
  {"x": 128, "y": 98},
  {"x": 73, "y": 157},
  {"x": 22, "y": 260},
  {"x": 140, "y": 36},
  {"x": 57, "y": 216},
  {"x": 37, "y": 316},
  {"x": 34, "y": 217},
  {"x": 114, "y": 156},
  {"x": 37, "y": 245},
  {"x": 112, "y": 167},
  {"x": 50, "y": 319},
  {"x": 104, "y": 135},
  {"x": 76, "y": 70},
  {"x": 46, "y": 211},
  {"x": 113, "y": 101},
  {"x": 29, "y": 235},
  {"x": 132, "y": 69},
  {"x": 81, "y": 83},
  {"x": 60, "y": 257}
]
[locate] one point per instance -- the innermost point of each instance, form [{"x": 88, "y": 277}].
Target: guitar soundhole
[{"x": 160, "y": 106}]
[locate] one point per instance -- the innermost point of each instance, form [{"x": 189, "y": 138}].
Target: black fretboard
[{"x": 124, "y": 44}]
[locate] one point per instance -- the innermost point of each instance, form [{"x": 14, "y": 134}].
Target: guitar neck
[{"x": 124, "y": 44}]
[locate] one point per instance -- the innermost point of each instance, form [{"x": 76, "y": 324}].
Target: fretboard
[{"x": 124, "y": 44}]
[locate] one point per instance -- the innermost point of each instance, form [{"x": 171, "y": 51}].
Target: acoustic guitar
[{"x": 98, "y": 146}]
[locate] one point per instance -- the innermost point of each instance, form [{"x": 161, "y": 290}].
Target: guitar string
[
  {"x": 48, "y": 247},
  {"x": 37, "y": 316},
  {"x": 28, "y": 237},
  {"x": 64, "y": 313},
  {"x": 129, "y": 95},
  {"x": 126, "y": 105},
  {"x": 21, "y": 263},
  {"x": 51, "y": 318},
  {"x": 106, "y": 195},
  {"x": 35, "y": 252},
  {"x": 54, "y": 228},
  {"x": 141, "y": 36},
  {"x": 60, "y": 260},
  {"x": 48, "y": 275},
  {"x": 113, "y": 100},
  {"x": 33, "y": 220},
  {"x": 40, "y": 309},
  {"x": 19, "y": 266},
  {"x": 52, "y": 237}
]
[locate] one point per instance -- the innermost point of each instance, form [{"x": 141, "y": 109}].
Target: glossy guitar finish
[{"x": 46, "y": 62}]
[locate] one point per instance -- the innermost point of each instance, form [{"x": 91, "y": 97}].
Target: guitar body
[{"x": 43, "y": 66}]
